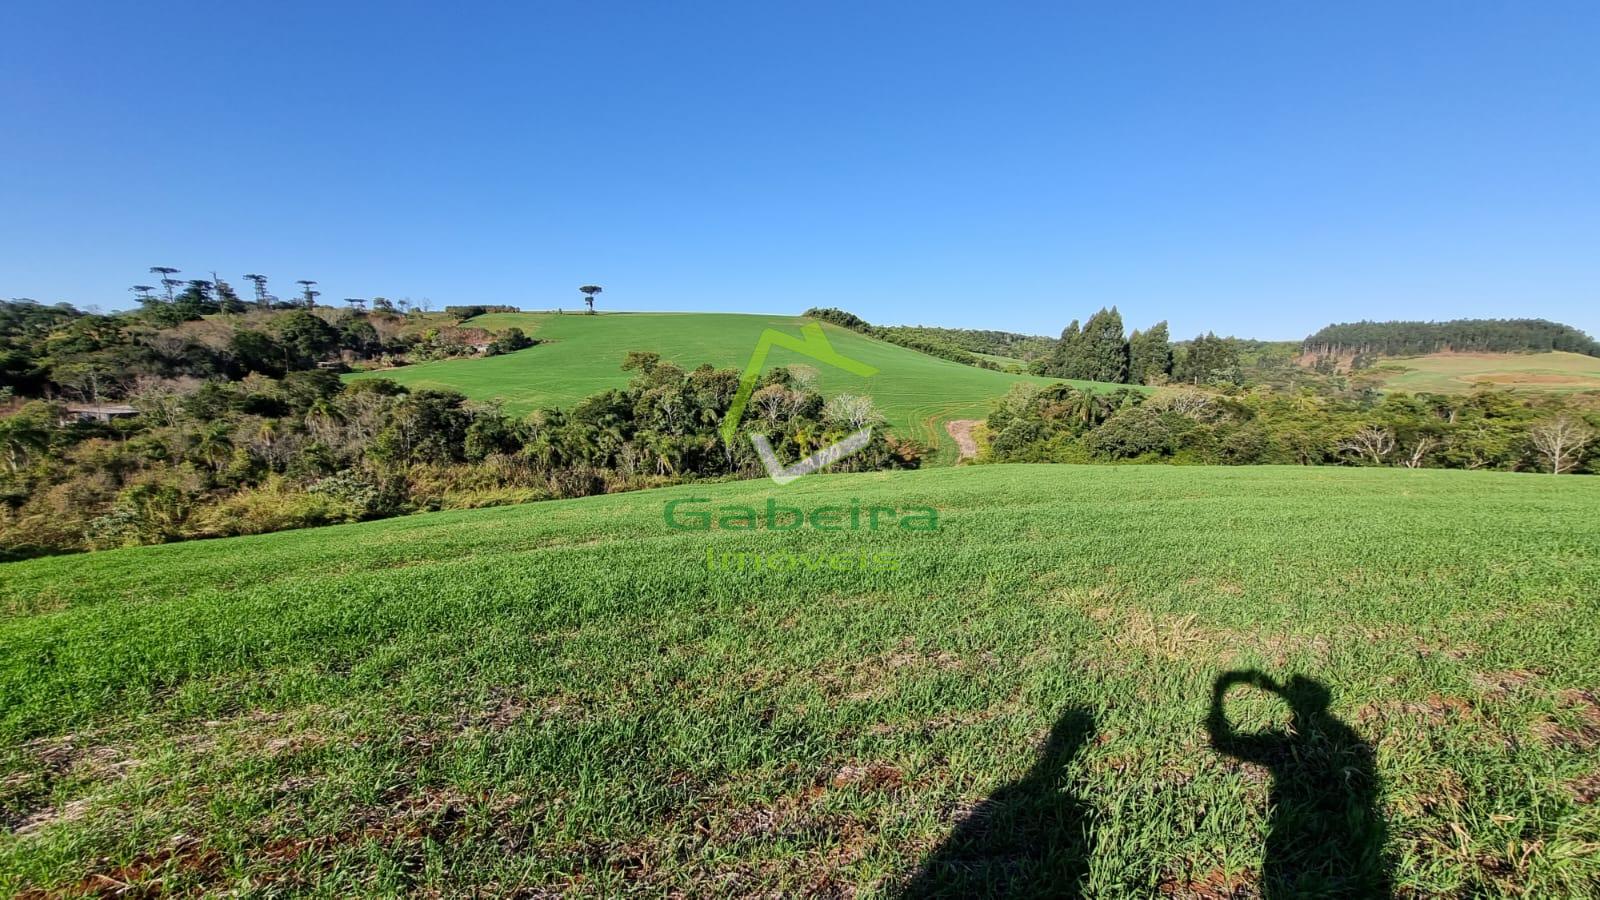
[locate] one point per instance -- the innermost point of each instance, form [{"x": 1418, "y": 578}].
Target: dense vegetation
[
  {"x": 477, "y": 309},
  {"x": 564, "y": 698},
  {"x": 1099, "y": 351},
  {"x": 1482, "y": 430},
  {"x": 262, "y": 454},
  {"x": 62, "y": 352},
  {"x": 1459, "y": 336},
  {"x": 1022, "y": 347}
]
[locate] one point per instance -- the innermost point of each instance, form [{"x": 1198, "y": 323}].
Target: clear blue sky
[{"x": 1255, "y": 168}]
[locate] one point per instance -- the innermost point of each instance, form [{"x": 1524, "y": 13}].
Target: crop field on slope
[
  {"x": 1001, "y": 360},
  {"x": 1443, "y": 373},
  {"x": 916, "y": 392},
  {"x": 566, "y": 696}
]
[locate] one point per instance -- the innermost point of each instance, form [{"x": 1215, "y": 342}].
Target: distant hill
[
  {"x": 1457, "y": 336},
  {"x": 582, "y": 355},
  {"x": 1444, "y": 373}
]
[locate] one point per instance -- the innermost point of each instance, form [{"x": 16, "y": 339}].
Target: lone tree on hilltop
[
  {"x": 167, "y": 281},
  {"x": 589, "y": 290},
  {"x": 260, "y": 281}
]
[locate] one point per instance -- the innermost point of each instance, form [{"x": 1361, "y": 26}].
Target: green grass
[
  {"x": 561, "y": 696},
  {"x": 917, "y": 393},
  {"x": 1445, "y": 373}
]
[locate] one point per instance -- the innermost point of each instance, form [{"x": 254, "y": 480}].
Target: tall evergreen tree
[
  {"x": 1150, "y": 356},
  {"x": 1209, "y": 359},
  {"x": 1068, "y": 355},
  {"x": 1105, "y": 348}
]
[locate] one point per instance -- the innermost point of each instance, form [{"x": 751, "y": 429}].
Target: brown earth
[{"x": 961, "y": 432}]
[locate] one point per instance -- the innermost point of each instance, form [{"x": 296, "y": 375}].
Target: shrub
[
  {"x": 275, "y": 506},
  {"x": 150, "y": 513},
  {"x": 1137, "y": 431}
]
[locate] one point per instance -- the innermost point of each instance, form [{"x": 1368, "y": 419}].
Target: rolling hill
[
  {"x": 1442, "y": 373},
  {"x": 916, "y": 392},
  {"x": 575, "y": 697}
]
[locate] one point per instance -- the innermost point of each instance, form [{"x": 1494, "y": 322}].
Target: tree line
[
  {"x": 1483, "y": 430},
  {"x": 1100, "y": 351},
  {"x": 1022, "y": 347},
  {"x": 209, "y": 296},
  {"x": 922, "y": 340},
  {"x": 1459, "y": 335},
  {"x": 61, "y": 351}
]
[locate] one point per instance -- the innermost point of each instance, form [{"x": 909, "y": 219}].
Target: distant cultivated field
[
  {"x": 1454, "y": 372},
  {"x": 564, "y": 697},
  {"x": 1001, "y": 360},
  {"x": 916, "y": 392}
]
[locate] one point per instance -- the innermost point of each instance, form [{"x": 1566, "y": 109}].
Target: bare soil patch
[{"x": 961, "y": 432}]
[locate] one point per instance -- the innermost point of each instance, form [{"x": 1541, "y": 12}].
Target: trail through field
[{"x": 961, "y": 432}]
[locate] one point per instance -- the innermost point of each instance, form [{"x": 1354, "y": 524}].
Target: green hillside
[
  {"x": 565, "y": 696},
  {"x": 916, "y": 392}
]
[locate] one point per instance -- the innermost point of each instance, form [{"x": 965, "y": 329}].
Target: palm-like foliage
[
  {"x": 167, "y": 281},
  {"x": 260, "y": 281},
  {"x": 214, "y": 445}
]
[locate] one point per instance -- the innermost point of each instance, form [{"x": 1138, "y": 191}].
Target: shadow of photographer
[
  {"x": 1326, "y": 837},
  {"x": 1030, "y": 838}
]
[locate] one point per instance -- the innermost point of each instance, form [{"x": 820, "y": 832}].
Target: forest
[{"x": 1457, "y": 336}]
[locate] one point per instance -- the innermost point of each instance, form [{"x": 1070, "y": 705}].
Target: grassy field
[
  {"x": 916, "y": 392},
  {"x": 568, "y": 696},
  {"x": 1443, "y": 373}
]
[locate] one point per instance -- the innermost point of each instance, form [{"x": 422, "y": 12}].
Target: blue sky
[{"x": 1257, "y": 169}]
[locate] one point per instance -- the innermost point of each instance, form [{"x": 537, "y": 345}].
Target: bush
[
  {"x": 510, "y": 342},
  {"x": 1137, "y": 431},
  {"x": 350, "y": 491},
  {"x": 275, "y": 506},
  {"x": 151, "y": 513},
  {"x": 578, "y": 481}
]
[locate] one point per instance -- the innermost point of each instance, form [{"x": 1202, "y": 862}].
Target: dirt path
[{"x": 961, "y": 431}]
